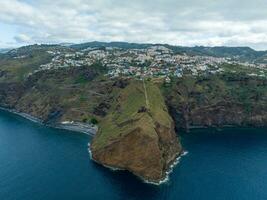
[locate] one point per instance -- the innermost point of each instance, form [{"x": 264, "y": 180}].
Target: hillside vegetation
[
  {"x": 129, "y": 112},
  {"x": 227, "y": 99}
]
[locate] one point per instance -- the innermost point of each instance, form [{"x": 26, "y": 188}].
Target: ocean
[{"x": 42, "y": 163}]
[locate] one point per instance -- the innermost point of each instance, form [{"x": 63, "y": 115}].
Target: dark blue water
[{"x": 42, "y": 163}]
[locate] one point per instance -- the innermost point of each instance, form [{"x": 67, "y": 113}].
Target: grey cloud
[
  {"x": 191, "y": 22},
  {"x": 21, "y": 38}
]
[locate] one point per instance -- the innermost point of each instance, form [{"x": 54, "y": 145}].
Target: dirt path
[{"x": 147, "y": 101}]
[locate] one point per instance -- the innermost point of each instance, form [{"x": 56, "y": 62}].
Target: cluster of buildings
[{"x": 155, "y": 61}]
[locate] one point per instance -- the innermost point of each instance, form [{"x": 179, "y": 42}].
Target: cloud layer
[{"x": 188, "y": 23}]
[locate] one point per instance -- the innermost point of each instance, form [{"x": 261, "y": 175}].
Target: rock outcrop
[
  {"x": 143, "y": 143},
  {"x": 148, "y": 157}
]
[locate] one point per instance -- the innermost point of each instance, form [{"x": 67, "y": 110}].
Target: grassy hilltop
[{"x": 130, "y": 110}]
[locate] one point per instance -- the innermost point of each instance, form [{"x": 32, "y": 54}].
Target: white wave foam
[{"x": 166, "y": 179}]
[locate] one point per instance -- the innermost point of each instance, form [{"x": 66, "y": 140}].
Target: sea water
[{"x": 41, "y": 163}]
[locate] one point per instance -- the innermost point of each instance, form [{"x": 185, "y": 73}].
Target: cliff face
[
  {"x": 218, "y": 101},
  {"x": 145, "y": 156},
  {"x": 143, "y": 141},
  {"x": 229, "y": 113},
  {"x": 10, "y": 94}
]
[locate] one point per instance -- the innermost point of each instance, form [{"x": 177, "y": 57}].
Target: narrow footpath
[{"x": 147, "y": 101}]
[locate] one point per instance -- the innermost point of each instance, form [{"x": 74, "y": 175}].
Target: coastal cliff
[
  {"x": 136, "y": 119},
  {"x": 217, "y": 101},
  {"x": 138, "y": 135}
]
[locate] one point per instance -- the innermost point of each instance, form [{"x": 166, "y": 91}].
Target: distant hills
[
  {"x": 241, "y": 53},
  {"x": 4, "y": 50}
]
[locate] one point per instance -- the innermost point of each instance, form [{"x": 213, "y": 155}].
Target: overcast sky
[{"x": 178, "y": 22}]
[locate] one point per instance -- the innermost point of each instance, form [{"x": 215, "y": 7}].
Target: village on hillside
[{"x": 155, "y": 61}]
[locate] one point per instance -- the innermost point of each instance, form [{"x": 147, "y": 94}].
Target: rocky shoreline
[
  {"x": 160, "y": 182},
  {"x": 168, "y": 172},
  {"x": 70, "y": 126}
]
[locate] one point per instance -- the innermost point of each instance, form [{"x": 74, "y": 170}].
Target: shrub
[{"x": 94, "y": 121}]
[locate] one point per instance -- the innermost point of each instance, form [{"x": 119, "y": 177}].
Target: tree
[{"x": 94, "y": 121}]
